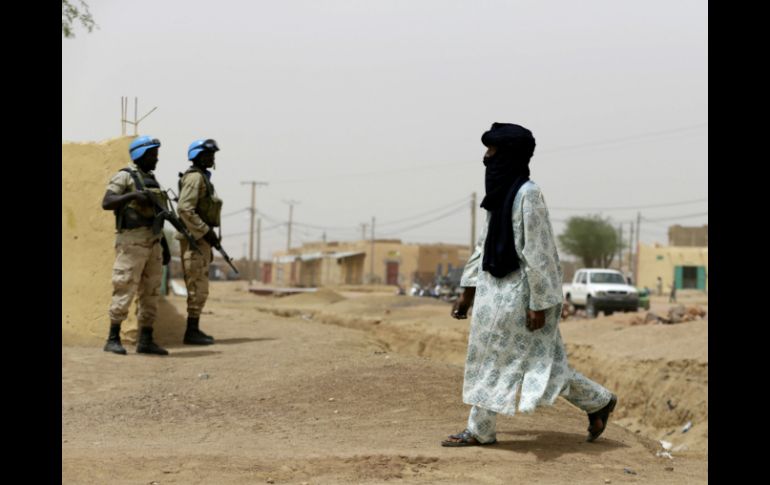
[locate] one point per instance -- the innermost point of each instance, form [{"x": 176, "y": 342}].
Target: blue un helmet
[
  {"x": 140, "y": 145},
  {"x": 201, "y": 145}
]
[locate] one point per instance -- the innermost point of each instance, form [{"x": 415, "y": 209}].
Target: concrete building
[
  {"x": 688, "y": 236},
  {"x": 339, "y": 263},
  {"x": 685, "y": 267}
]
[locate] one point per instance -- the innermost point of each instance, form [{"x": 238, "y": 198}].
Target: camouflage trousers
[
  {"x": 137, "y": 271},
  {"x": 579, "y": 391},
  {"x": 196, "y": 275}
]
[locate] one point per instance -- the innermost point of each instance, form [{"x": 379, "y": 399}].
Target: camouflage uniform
[
  {"x": 138, "y": 263},
  {"x": 199, "y": 208}
]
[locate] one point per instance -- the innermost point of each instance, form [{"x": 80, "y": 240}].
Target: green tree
[
  {"x": 592, "y": 239},
  {"x": 70, "y": 13}
]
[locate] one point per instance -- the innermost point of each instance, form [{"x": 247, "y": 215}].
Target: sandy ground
[{"x": 329, "y": 388}]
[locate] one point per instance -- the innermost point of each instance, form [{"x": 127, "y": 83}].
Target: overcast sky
[{"x": 361, "y": 108}]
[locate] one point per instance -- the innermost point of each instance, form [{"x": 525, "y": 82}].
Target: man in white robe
[{"x": 514, "y": 346}]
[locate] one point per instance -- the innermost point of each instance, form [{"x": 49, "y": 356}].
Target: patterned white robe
[{"x": 504, "y": 358}]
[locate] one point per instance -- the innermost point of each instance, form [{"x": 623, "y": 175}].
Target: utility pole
[
  {"x": 631, "y": 248},
  {"x": 291, "y": 213},
  {"x": 253, "y": 184},
  {"x": 636, "y": 259},
  {"x": 473, "y": 221},
  {"x": 371, "y": 264},
  {"x": 259, "y": 252},
  {"x": 363, "y": 230},
  {"x": 620, "y": 246}
]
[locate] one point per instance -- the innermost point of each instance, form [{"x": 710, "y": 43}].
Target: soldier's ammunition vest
[
  {"x": 133, "y": 215},
  {"x": 209, "y": 207}
]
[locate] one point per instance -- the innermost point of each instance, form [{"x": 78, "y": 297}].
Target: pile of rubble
[{"x": 677, "y": 314}]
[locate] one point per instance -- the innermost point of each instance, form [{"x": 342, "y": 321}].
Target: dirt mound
[
  {"x": 322, "y": 297},
  {"x": 660, "y": 372},
  {"x": 676, "y": 314},
  {"x": 374, "y": 304},
  {"x": 656, "y": 396}
]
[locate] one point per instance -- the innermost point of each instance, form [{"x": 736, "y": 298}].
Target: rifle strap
[
  {"x": 206, "y": 181},
  {"x": 140, "y": 184},
  {"x": 137, "y": 181}
]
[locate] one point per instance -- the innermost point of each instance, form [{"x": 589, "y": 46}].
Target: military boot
[
  {"x": 193, "y": 335},
  {"x": 113, "y": 341},
  {"x": 146, "y": 345}
]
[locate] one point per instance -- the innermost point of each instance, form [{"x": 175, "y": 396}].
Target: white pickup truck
[{"x": 597, "y": 289}]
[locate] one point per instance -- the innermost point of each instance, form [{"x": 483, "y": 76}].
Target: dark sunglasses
[{"x": 210, "y": 145}]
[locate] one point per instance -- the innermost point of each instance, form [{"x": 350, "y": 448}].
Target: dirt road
[{"x": 293, "y": 400}]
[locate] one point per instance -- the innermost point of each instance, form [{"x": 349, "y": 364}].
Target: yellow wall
[
  {"x": 661, "y": 261},
  {"x": 87, "y": 251}
]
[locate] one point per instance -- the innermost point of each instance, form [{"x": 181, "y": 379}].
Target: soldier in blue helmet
[
  {"x": 140, "y": 253},
  {"x": 200, "y": 209}
]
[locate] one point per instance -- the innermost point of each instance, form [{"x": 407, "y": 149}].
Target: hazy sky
[{"x": 361, "y": 108}]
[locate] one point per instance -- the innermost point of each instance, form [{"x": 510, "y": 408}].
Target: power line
[
  {"x": 237, "y": 234},
  {"x": 627, "y": 138},
  {"x": 375, "y": 172},
  {"x": 655, "y": 224},
  {"x": 312, "y": 226},
  {"x": 662, "y": 219},
  {"x": 464, "y": 200},
  {"x": 451, "y": 211},
  {"x": 650, "y": 206},
  {"x": 263, "y": 230},
  {"x": 610, "y": 141},
  {"x": 353, "y": 228},
  {"x": 425, "y": 223},
  {"x": 235, "y": 212},
  {"x": 268, "y": 217},
  {"x": 684, "y": 216}
]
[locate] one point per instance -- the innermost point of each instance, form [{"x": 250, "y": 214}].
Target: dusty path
[{"x": 258, "y": 406}]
